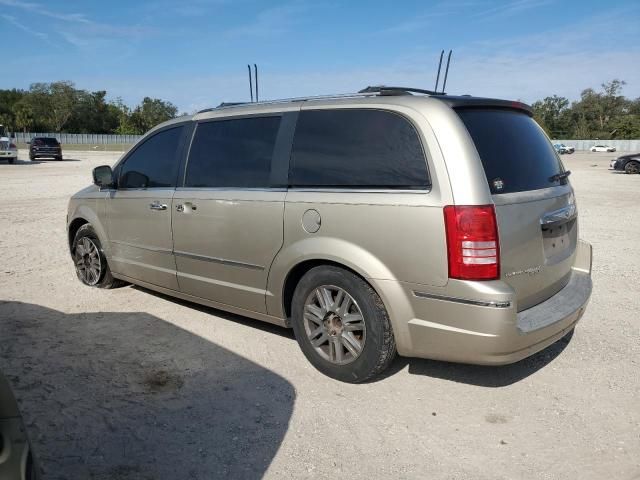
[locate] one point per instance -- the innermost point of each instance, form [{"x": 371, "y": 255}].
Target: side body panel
[
  {"x": 386, "y": 236},
  {"x": 140, "y": 236},
  {"x": 224, "y": 247}
]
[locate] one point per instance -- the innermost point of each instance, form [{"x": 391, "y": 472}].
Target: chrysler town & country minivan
[{"x": 374, "y": 223}]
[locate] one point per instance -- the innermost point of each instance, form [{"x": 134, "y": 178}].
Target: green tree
[
  {"x": 150, "y": 113},
  {"x": 63, "y": 100},
  {"x": 550, "y": 114},
  {"x": 24, "y": 116}
]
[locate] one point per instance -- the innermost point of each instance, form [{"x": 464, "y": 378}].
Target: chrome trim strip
[
  {"x": 563, "y": 214},
  {"x": 222, "y": 261},
  {"x": 150, "y": 249},
  {"x": 466, "y": 301},
  {"x": 420, "y": 191}
]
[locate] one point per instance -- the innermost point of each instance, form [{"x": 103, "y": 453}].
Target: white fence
[
  {"x": 108, "y": 139},
  {"x": 81, "y": 138},
  {"x": 621, "y": 145}
]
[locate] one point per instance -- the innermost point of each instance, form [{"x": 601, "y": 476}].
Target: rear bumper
[
  {"x": 8, "y": 154},
  {"x": 488, "y": 330}
]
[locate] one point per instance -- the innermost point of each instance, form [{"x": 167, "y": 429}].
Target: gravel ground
[{"x": 130, "y": 384}]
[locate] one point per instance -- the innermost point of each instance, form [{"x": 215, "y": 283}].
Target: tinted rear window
[
  {"x": 515, "y": 153},
  {"x": 232, "y": 153},
  {"x": 356, "y": 149},
  {"x": 50, "y": 142}
]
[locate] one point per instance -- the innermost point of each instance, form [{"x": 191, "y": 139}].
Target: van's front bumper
[{"x": 488, "y": 329}]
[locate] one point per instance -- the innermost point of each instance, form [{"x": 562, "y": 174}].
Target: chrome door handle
[
  {"x": 157, "y": 206},
  {"x": 186, "y": 207}
]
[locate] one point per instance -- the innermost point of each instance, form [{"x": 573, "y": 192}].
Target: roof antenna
[
  {"x": 446, "y": 72},
  {"x": 255, "y": 69},
  {"x": 439, "y": 67},
  {"x": 250, "y": 84}
]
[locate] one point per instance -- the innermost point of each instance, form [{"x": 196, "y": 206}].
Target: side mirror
[{"x": 103, "y": 176}]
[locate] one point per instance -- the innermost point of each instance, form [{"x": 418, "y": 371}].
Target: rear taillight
[
  {"x": 472, "y": 242},
  {"x": 12, "y": 145}
]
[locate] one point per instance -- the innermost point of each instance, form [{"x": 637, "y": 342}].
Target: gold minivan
[{"x": 393, "y": 220}]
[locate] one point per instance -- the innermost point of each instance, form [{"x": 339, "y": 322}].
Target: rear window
[
  {"x": 356, "y": 149},
  {"x": 49, "y": 142},
  {"x": 515, "y": 153}
]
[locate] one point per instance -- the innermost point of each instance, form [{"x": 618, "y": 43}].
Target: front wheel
[
  {"x": 59, "y": 158},
  {"x": 91, "y": 264},
  {"x": 632, "y": 167},
  {"x": 342, "y": 325}
]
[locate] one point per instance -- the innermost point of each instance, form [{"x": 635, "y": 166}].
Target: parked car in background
[
  {"x": 627, "y": 163},
  {"x": 8, "y": 149},
  {"x": 561, "y": 148},
  {"x": 45, "y": 147},
  {"x": 602, "y": 148},
  {"x": 379, "y": 222}
]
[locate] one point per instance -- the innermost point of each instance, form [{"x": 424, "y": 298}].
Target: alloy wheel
[
  {"x": 334, "y": 324},
  {"x": 88, "y": 263}
]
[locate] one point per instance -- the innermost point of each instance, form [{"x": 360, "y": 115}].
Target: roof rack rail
[
  {"x": 385, "y": 90},
  {"x": 371, "y": 91}
]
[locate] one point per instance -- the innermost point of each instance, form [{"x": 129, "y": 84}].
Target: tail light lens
[{"x": 472, "y": 242}]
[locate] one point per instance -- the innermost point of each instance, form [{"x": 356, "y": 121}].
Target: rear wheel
[
  {"x": 91, "y": 264},
  {"x": 632, "y": 167},
  {"x": 342, "y": 325},
  {"x": 12, "y": 160},
  {"x": 32, "y": 157}
]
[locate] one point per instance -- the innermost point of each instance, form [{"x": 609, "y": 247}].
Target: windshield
[{"x": 515, "y": 153}]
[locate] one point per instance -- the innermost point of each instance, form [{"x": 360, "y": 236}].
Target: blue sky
[{"x": 194, "y": 53}]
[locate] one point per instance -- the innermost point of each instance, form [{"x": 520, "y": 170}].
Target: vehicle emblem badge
[{"x": 498, "y": 184}]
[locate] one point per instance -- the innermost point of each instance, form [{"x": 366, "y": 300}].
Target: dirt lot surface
[{"x": 129, "y": 384}]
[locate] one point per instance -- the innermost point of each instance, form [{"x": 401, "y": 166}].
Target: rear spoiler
[{"x": 465, "y": 101}]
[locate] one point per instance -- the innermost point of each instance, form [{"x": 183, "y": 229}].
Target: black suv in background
[
  {"x": 628, "y": 163},
  {"x": 45, "y": 147}
]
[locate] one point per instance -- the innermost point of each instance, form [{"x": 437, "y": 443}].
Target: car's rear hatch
[
  {"x": 46, "y": 146},
  {"x": 535, "y": 206}
]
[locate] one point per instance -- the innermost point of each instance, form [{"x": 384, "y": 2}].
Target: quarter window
[
  {"x": 356, "y": 149},
  {"x": 233, "y": 153},
  {"x": 154, "y": 164}
]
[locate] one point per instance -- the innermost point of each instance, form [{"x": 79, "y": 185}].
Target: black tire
[
  {"x": 103, "y": 279},
  {"x": 632, "y": 167},
  {"x": 59, "y": 158},
  {"x": 12, "y": 160},
  {"x": 379, "y": 347},
  {"x": 32, "y": 157}
]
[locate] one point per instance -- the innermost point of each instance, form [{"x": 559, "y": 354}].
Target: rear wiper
[{"x": 559, "y": 176}]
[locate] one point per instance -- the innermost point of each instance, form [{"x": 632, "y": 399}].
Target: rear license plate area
[{"x": 557, "y": 239}]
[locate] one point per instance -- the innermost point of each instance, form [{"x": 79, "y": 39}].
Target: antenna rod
[
  {"x": 250, "y": 84},
  {"x": 446, "y": 72},
  {"x": 439, "y": 67},
  {"x": 255, "y": 68}
]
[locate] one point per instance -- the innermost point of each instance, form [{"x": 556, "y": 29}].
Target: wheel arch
[
  {"x": 74, "y": 226},
  {"x": 82, "y": 215},
  {"x": 299, "y": 270},
  {"x": 298, "y": 258}
]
